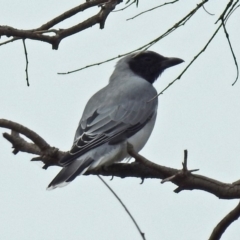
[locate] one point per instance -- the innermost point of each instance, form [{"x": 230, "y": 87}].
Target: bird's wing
[{"x": 110, "y": 123}]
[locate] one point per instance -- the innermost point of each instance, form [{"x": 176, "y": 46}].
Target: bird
[{"x": 122, "y": 112}]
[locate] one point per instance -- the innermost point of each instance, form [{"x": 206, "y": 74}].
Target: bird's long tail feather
[{"x": 70, "y": 172}]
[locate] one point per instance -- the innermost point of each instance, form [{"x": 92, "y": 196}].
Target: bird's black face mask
[{"x": 149, "y": 65}]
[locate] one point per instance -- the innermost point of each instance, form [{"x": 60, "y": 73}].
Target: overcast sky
[{"x": 199, "y": 113}]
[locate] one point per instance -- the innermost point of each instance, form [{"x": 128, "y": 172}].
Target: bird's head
[{"x": 149, "y": 65}]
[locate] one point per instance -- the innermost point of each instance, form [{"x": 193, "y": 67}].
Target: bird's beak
[{"x": 170, "y": 62}]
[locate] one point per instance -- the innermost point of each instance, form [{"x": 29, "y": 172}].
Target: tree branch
[
  {"x": 151, "y": 9},
  {"x": 223, "y": 17},
  {"x": 142, "y": 168},
  {"x": 38, "y": 33},
  {"x": 230, "y": 45},
  {"x": 47, "y": 154},
  {"x": 121, "y": 9},
  {"x": 225, "y": 223},
  {"x": 142, "y": 234},
  {"x": 148, "y": 45},
  {"x": 26, "y": 56}
]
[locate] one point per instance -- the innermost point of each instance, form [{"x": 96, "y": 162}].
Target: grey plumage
[{"x": 119, "y": 113}]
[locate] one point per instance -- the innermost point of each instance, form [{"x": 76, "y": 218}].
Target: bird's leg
[{"x": 133, "y": 153}]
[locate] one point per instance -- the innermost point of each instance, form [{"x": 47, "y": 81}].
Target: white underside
[{"x": 119, "y": 152}]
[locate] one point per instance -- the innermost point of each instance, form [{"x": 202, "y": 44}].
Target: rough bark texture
[
  {"x": 40, "y": 32},
  {"x": 141, "y": 168}
]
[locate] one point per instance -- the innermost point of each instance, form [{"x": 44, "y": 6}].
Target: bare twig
[
  {"x": 121, "y": 9},
  {"x": 151, "y": 9},
  {"x": 148, "y": 45},
  {"x": 99, "y": 63},
  {"x": 225, "y": 11},
  {"x": 94, "y": 64},
  {"x": 26, "y": 56},
  {"x": 204, "y": 48},
  {"x": 134, "y": 1},
  {"x": 180, "y": 173},
  {"x": 128, "y": 1},
  {"x": 8, "y": 41},
  {"x": 225, "y": 223},
  {"x": 185, "y": 69},
  {"x": 185, "y": 160},
  {"x": 233, "y": 10},
  {"x": 224, "y": 21},
  {"x": 125, "y": 208},
  {"x": 38, "y": 33},
  {"x": 207, "y": 11},
  {"x": 230, "y": 45}
]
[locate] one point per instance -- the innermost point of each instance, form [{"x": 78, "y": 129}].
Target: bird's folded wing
[{"x": 110, "y": 125}]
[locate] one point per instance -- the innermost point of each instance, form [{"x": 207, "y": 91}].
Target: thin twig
[
  {"x": 121, "y": 9},
  {"x": 123, "y": 205},
  {"x": 11, "y": 40},
  {"x": 207, "y": 11},
  {"x": 26, "y": 56},
  {"x": 94, "y": 64},
  {"x": 230, "y": 45},
  {"x": 151, "y": 9},
  {"x": 225, "y": 223},
  {"x": 135, "y": 1},
  {"x": 225, "y": 10},
  {"x": 231, "y": 13},
  {"x": 183, "y": 173},
  {"x": 185, "y": 69},
  {"x": 185, "y": 159},
  {"x": 148, "y": 45}
]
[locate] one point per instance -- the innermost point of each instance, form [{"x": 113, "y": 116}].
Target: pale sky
[{"x": 199, "y": 113}]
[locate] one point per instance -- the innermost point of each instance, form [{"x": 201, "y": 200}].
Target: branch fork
[
  {"x": 107, "y": 6},
  {"x": 183, "y": 173}
]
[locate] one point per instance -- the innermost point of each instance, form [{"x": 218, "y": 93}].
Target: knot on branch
[
  {"x": 50, "y": 157},
  {"x": 181, "y": 174}
]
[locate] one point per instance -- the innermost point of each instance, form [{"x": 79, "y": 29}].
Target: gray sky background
[{"x": 199, "y": 113}]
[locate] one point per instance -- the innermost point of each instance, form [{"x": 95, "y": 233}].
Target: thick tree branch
[
  {"x": 38, "y": 33},
  {"x": 39, "y": 141},
  {"x": 47, "y": 154},
  {"x": 142, "y": 168},
  {"x": 225, "y": 223},
  {"x": 21, "y": 145},
  {"x": 70, "y": 13}
]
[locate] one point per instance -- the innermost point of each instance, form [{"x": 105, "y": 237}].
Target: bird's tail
[{"x": 70, "y": 172}]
